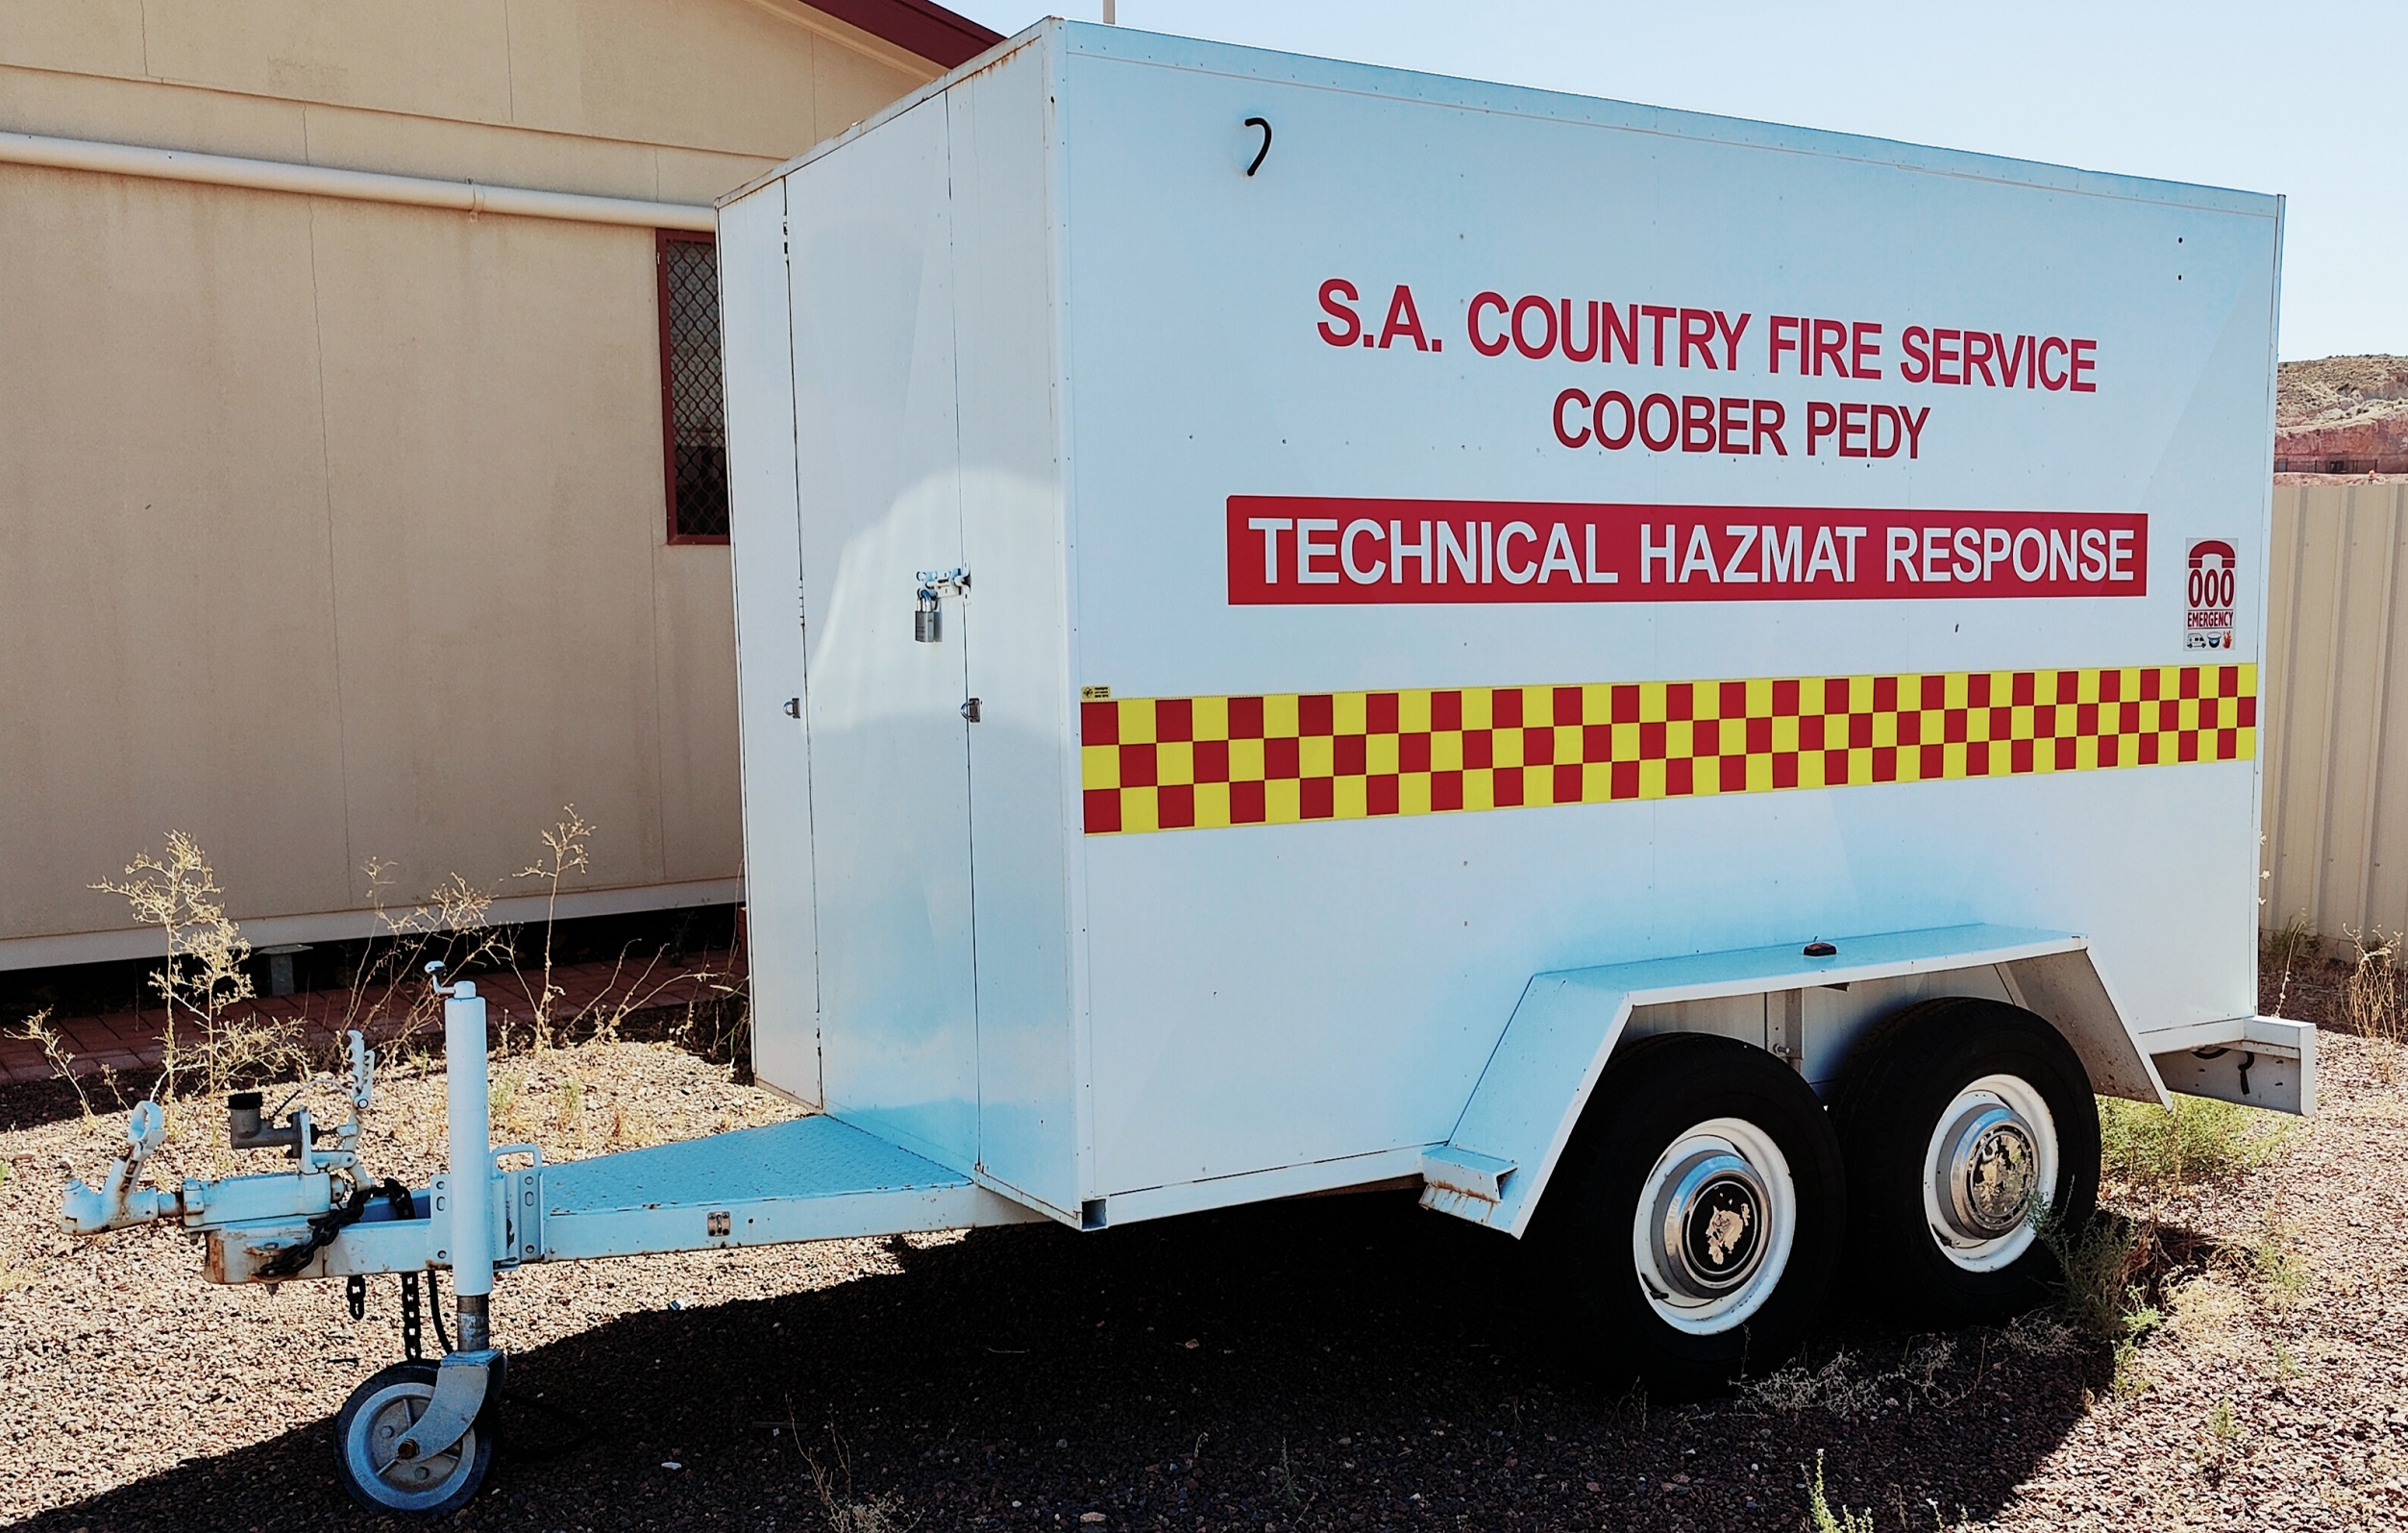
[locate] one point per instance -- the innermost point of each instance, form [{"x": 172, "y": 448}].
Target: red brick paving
[{"x": 130, "y": 1040}]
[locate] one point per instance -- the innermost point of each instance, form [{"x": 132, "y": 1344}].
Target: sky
[{"x": 2298, "y": 98}]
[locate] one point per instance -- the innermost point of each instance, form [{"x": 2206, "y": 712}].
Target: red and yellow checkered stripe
[{"x": 1182, "y": 763}]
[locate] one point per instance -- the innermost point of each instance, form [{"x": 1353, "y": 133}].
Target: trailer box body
[{"x": 1420, "y": 535}]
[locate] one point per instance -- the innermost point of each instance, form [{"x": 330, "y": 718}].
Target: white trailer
[{"x": 1689, "y": 687}]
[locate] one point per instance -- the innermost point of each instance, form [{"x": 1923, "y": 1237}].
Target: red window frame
[{"x": 663, "y": 238}]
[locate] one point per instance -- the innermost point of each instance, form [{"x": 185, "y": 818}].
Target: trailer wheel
[
  {"x": 1956, "y": 1116},
  {"x": 1700, "y": 1218},
  {"x": 374, "y": 1418}
]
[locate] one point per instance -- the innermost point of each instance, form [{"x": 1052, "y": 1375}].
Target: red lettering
[
  {"x": 1864, "y": 346},
  {"x": 2010, "y": 363},
  {"x": 1852, "y": 428},
  {"x": 2052, "y": 385},
  {"x": 1521, "y": 340},
  {"x": 1822, "y": 420},
  {"x": 1769, "y": 417},
  {"x": 1731, "y": 334},
  {"x": 1944, "y": 351},
  {"x": 1917, "y": 367},
  {"x": 1697, "y": 331},
  {"x": 1403, "y": 320},
  {"x": 1731, "y": 426},
  {"x": 1659, "y": 313},
  {"x": 1775, "y": 345},
  {"x": 1561, "y": 434},
  {"x": 1977, "y": 354},
  {"x": 1886, "y": 415},
  {"x": 1584, "y": 353},
  {"x": 1332, "y": 292},
  {"x": 1615, "y": 441},
  {"x": 1480, "y": 343},
  {"x": 2081, "y": 363},
  {"x": 1696, "y": 424},
  {"x": 1672, "y": 422},
  {"x": 1621, "y": 332},
  {"x": 1831, "y": 338}
]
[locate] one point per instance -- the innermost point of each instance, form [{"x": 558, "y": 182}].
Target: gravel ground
[{"x": 1338, "y": 1363}]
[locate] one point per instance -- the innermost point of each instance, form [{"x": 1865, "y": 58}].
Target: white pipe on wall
[{"x": 358, "y": 186}]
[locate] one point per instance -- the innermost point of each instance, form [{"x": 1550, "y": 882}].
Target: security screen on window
[{"x": 694, "y": 401}]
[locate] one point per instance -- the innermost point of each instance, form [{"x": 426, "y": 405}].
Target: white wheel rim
[
  {"x": 1993, "y": 1151},
  {"x": 368, "y": 1450},
  {"x": 1715, "y": 1222}
]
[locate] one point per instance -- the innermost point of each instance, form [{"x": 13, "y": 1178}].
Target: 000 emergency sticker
[{"x": 2208, "y": 583}]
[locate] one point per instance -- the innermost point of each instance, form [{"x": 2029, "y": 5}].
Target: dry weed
[
  {"x": 847, "y": 1510},
  {"x": 2209, "y": 1319},
  {"x": 565, "y": 852},
  {"x": 204, "y": 981},
  {"x": 1844, "y": 1387},
  {"x": 2371, "y": 1004},
  {"x": 2039, "y": 1333},
  {"x": 449, "y": 927},
  {"x": 36, "y": 1030},
  {"x": 2284, "y": 950}
]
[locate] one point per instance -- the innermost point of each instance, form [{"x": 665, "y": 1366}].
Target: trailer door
[{"x": 878, "y": 454}]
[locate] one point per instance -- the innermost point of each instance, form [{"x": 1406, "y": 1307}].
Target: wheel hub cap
[
  {"x": 1709, "y": 1226},
  {"x": 1993, "y": 1172}
]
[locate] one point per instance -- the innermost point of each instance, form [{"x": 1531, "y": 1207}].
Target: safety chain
[
  {"x": 412, "y": 1346},
  {"x": 323, "y": 1230}
]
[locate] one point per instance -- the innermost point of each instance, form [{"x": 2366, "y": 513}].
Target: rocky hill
[{"x": 2342, "y": 415}]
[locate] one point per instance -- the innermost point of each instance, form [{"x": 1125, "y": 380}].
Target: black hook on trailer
[{"x": 1265, "y": 124}]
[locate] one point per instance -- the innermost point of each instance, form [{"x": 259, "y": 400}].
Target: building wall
[
  {"x": 2336, "y": 735},
  {"x": 334, "y": 530}
]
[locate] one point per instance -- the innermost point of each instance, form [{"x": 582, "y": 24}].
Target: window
[{"x": 693, "y": 393}]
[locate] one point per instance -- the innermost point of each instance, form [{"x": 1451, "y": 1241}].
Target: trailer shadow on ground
[{"x": 1341, "y": 1363}]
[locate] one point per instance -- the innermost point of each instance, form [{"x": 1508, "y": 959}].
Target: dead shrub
[
  {"x": 213, "y": 1039},
  {"x": 2371, "y": 1004}
]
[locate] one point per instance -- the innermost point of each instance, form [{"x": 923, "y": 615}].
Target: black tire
[
  {"x": 378, "y": 1405},
  {"x": 1901, "y": 1083},
  {"x": 1654, "y": 1094}
]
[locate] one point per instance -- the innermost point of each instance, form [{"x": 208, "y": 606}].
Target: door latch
[
  {"x": 927, "y": 619},
  {"x": 969, "y": 711},
  {"x": 794, "y": 707}
]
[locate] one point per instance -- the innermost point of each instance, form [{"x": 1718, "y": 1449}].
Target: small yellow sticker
[{"x": 1094, "y": 694}]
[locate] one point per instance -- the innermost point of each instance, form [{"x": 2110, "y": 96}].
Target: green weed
[
  {"x": 2200, "y": 1139},
  {"x": 1819, "y": 1511}
]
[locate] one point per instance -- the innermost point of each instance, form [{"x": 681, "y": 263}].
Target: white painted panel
[
  {"x": 1269, "y": 1004},
  {"x": 1265, "y": 996},
  {"x": 872, "y": 264},
  {"x": 780, "y": 919},
  {"x": 1024, "y": 768}
]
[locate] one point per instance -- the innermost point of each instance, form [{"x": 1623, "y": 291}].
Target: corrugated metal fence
[{"x": 2336, "y": 688}]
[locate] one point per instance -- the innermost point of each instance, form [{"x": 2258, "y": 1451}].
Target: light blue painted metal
[
  {"x": 1462, "y": 1183},
  {"x": 469, "y": 1219},
  {"x": 815, "y": 1178},
  {"x": 1560, "y": 1035},
  {"x": 2264, "y": 1062}
]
